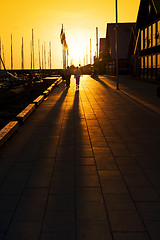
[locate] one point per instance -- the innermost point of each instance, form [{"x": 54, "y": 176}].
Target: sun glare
[{"x": 78, "y": 48}]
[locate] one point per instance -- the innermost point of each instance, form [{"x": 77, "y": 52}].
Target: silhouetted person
[
  {"x": 68, "y": 76},
  {"x": 77, "y": 75}
]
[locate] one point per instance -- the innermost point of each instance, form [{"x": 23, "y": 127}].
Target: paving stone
[
  {"x": 131, "y": 236},
  {"x": 136, "y": 180},
  {"x": 130, "y": 169},
  {"x": 2, "y": 235},
  {"x": 119, "y": 202},
  {"x": 106, "y": 163},
  {"x": 144, "y": 193},
  {"x": 61, "y": 203},
  {"x": 126, "y": 161},
  {"x": 93, "y": 230},
  {"x": 12, "y": 188},
  {"x": 5, "y": 219},
  {"x": 63, "y": 165},
  {"x": 24, "y": 230},
  {"x": 58, "y": 236},
  {"x": 121, "y": 153},
  {"x": 86, "y": 170},
  {"x": 125, "y": 221},
  {"x": 87, "y": 181},
  {"x": 63, "y": 175},
  {"x": 149, "y": 211},
  {"x": 41, "y": 176},
  {"x": 62, "y": 187},
  {"x": 153, "y": 228},
  {"x": 110, "y": 175},
  {"x": 8, "y": 202},
  {"x": 59, "y": 221},
  {"x": 85, "y": 162},
  {"x": 30, "y": 208},
  {"x": 84, "y": 152},
  {"x": 89, "y": 194},
  {"x": 114, "y": 187},
  {"x": 91, "y": 211}
]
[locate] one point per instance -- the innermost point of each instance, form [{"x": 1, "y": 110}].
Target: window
[
  {"x": 142, "y": 40},
  {"x": 142, "y": 64},
  {"x": 149, "y": 37},
  {"x": 149, "y": 62},
  {"x": 154, "y": 61},
  {"x": 145, "y": 62},
  {"x": 145, "y": 39},
  {"x": 158, "y": 33},
  {"x": 158, "y": 61},
  {"x": 154, "y": 34}
]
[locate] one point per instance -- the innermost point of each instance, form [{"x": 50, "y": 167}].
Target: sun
[{"x": 78, "y": 48}]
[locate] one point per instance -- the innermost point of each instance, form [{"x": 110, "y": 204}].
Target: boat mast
[
  {"x": 0, "y": 53},
  {"x": 11, "y": 54},
  {"x": 22, "y": 55}
]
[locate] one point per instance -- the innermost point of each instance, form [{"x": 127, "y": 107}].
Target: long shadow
[
  {"x": 32, "y": 170},
  {"x": 63, "y": 186},
  {"x": 100, "y": 81}
]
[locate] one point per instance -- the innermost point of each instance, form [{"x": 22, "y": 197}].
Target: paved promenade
[{"x": 84, "y": 166}]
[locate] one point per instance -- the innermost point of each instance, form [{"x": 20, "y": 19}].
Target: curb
[
  {"x": 8, "y": 131},
  {"x": 12, "y": 126}
]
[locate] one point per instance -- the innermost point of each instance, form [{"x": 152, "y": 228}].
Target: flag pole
[
  {"x": 97, "y": 48},
  {"x": 22, "y": 55},
  {"x": 116, "y": 47},
  {"x": 90, "y": 52},
  {"x": 0, "y": 53}
]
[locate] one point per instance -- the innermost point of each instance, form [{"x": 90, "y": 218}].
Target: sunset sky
[{"x": 80, "y": 19}]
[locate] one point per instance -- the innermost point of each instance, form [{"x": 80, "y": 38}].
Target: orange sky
[{"x": 80, "y": 19}]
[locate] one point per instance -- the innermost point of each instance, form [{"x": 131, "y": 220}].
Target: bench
[
  {"x": 22, "y": 116},
  {"x": 8, "y": 131}
]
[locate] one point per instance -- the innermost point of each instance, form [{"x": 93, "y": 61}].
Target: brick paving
[{"x": 84, "y": 166}]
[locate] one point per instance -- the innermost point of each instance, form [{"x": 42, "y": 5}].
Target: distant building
[
  {"x": 102, "y": 45},
  {"x": 146, "y": 55},
  {"x": 107, "y": 54},
  {"x": 124, "y": 35}
]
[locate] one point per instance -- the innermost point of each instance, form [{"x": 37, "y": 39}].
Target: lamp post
[{"x": 116, "y": 47}]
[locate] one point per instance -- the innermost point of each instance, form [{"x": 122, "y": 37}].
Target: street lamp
[{"x": 116, "y": 47}]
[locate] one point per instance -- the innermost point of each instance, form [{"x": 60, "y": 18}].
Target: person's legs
[
  {"x": 67, "y": 81},
  {"x": 77, "y": 82}
]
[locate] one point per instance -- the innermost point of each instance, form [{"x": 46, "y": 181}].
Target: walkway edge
[
  {"x": 140, "y": 101},
  {"x": 144, "y": 103},
  {"x": 12, "y": 126}
]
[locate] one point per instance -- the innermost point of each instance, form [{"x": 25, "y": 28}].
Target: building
[
  {"x": 107, "y": 57},
  {"x": 146, "y": 55}
]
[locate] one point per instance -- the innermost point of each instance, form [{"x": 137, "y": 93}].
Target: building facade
[
  {"x": 124, "y": 31},
  {"x": 147, "y": 44}
]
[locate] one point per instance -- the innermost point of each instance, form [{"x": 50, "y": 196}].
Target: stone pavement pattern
[{"x": 85, "y": 166}]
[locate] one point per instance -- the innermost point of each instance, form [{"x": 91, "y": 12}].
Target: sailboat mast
[
  {"x": 33, "y": 48},
  {"x": 22, "y": 55},
  {"x": 0, "y": 53},
  {"x": 11, "y": 54}
]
